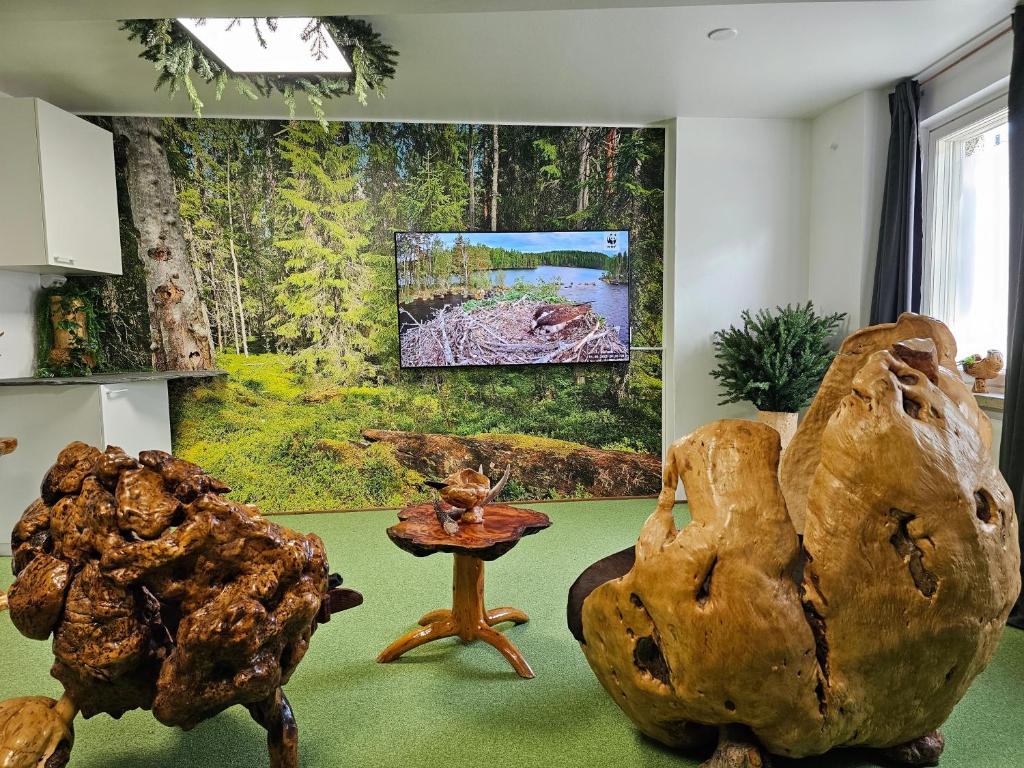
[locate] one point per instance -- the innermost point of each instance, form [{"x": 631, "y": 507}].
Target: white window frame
[{"x": 931, "y": 178}]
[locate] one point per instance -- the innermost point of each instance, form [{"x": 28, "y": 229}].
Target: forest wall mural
[{"x": 278, "y": 237}]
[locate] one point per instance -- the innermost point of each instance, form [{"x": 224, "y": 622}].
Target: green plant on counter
[
  {"x": 84, "y": 351},
  {"x": 178, "y": 57},
  {"x": 776, "y": 360},
  {"x": 969, "y": 360}
]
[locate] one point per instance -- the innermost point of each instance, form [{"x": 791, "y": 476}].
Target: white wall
[
  {"x": 849, "y": 143},
  {"x": 737, "y": 195},
  {"x": 967, "y": 84},
  {"x": 17, "y": 321}
]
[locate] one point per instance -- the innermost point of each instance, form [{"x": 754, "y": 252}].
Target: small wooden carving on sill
[
  {"x": 865, "y": 633},
  {"x": 160, "y": 594},
  {"x": 983, "y": 368},
  {"x": 466, "y": 493}
]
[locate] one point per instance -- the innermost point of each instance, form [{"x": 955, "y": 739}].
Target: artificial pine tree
[
  {"x": 776, "y": 360},
  {"x": 178, "y": 57}
]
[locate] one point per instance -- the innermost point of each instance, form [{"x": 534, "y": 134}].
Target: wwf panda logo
[{"x": 612, "y": 239}]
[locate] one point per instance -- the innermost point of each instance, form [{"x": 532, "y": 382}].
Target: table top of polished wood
[{"x": 420, "y": 533}]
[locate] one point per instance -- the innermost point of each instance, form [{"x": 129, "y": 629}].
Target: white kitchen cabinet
[
  {"x": 58, "y": 199},
  {"x": 45, "y": 417}
]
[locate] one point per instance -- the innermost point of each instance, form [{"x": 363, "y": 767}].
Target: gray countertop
[
  {"x": 990, "y": 401},
  {"x": 114, "y": 378}
]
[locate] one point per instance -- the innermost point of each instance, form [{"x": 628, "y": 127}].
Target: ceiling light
[
  {"x": 237, "y": 44},
  {"x": 722, "y": 33}
]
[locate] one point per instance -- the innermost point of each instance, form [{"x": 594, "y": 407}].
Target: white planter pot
[{"x": 782, "y": 422}]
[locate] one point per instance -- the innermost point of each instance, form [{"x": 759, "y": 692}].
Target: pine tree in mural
[
  {"x": 321, "y": 232},
  {"x": 431, "y": 202}
]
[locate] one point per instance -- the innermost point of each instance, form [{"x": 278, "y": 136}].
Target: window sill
[{"x": 990, "y": 401}]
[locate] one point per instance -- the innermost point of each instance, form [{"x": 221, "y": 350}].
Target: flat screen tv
[{"x": 512, "y": 298}]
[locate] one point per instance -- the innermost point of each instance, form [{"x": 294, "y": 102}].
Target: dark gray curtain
[
  {"x": 899, "y": 263},
  {"x": 1011, "y": 456}
]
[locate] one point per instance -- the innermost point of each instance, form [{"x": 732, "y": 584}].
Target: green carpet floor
[{"x": 446, "y": 704}]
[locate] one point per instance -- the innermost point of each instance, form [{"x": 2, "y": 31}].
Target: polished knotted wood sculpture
[
  {"x": 466, "y": 493},
  {"x": 160, "y": 594},
  {"x": 865, "y": 633}
]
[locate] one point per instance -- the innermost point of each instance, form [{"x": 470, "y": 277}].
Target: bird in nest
[
  {"x": 981, "y": 368},
  {"x": 552, "y": 318},
  {"x": 466, "y": 492}
]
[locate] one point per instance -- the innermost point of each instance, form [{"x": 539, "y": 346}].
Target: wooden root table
[{"x": 420, "y": 533}]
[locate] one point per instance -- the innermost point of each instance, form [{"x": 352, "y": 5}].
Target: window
[
  {"x": 966, "y": 277},
  {"x": 277, "y": 45}
]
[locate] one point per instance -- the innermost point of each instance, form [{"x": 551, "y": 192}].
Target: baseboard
[{"x": 518, "y": 501}]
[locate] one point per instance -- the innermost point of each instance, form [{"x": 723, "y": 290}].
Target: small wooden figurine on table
[
  {"x": 465, "y": 494},
  {"x": 421, "y": 532}
]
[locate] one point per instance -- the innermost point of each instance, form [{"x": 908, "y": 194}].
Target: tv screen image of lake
[{"x": 499, "y": 298}]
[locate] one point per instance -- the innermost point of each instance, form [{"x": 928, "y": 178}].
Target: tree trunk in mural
[
  {"x": 583, "y": 193},
  {"x": 472, "y": 183},
  {"x": 611, "y": 144},
  {"x": 179, "y": 329},
  {"x": 197, "y": 269},
  {"x": 494, "y": 180},
  {"x": 234, "y": 264}
]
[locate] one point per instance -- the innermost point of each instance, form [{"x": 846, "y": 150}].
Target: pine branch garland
[
  {"x": 176, "y": 59},
  {"x": 776, "y": 360}
]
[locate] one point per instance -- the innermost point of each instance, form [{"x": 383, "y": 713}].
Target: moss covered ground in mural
[{"x": 292, "y": 443}]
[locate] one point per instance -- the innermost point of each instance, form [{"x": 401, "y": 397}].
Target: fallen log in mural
[{"x": 546, "y": 467}]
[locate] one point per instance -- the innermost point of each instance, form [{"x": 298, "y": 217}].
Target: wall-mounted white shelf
[{"x": 58, "y": 199}]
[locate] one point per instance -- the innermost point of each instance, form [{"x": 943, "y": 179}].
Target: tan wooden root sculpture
[
  {"x": 36, "y": 732},
  {"x": 160, "y": 594},
  {"x": 865, "y": 634}
]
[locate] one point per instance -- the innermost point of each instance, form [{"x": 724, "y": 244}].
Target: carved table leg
[
  {"x": 275, "y": 714},
  {"x": 498, "y": 615},
  {"x": 923, "y": 751},
  {"x": 468, "y": 596},
  {"x": 440, "y": 614},
  {"x": 507, "y": 649},
  {"x": 737, "y": 748},
  {"x": 417, "y": 637},
  {"x": 467, "y": 619}
]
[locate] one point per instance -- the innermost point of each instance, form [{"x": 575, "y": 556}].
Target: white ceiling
[{"x": 628, "y": 62}]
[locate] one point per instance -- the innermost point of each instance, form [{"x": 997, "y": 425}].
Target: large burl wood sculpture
[
  {"x": 868, "y": 631},
  {"x": 160, "y": 594}
]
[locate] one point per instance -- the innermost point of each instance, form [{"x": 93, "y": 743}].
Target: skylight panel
[{"x": 237, "y": 44}]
